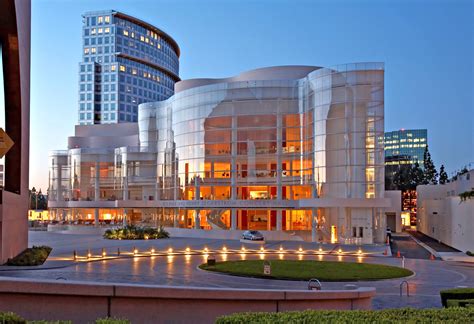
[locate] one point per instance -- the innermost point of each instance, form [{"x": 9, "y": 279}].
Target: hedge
[
  {"x": 402, "y": 315},
  {"x": 12, "y": 318},
  {"x": 460, "y": 303},
  {"x": 34, "y": 256},
  {"x": 133, "y": 232},
  {"x": 456, "y": 293}
]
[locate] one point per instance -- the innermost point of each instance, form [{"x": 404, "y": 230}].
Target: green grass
[
  {"x": 31, "y": 256},
  {"x": 402, "y": 315},
  {"x": 306, "y": 269}
]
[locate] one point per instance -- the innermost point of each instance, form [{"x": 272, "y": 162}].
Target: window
[
  {"x": 100, "y": 30},
  {"x": 107, "y": 19},
  {"x": 81, "y": 116},
  {"x": 142, "y": 38},
  {"x": 125, "y": 32},
  {"x": 107, "y": 30},
  {"x": 122, "y": 68},
  {"x": 112, "y": 67},
  {"x": 86, "y": 50},
  {"x": 93, "y": 50},
  {"x": 112, "y": 116},
  {"x": 100, "y": 20},
  {"x": 93, "y": 31}
]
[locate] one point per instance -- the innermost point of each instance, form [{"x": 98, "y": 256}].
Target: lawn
[{"x": 306, "y": 269}]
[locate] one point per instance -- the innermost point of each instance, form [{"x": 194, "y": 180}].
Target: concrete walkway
[{"x": 181, "y": 270}]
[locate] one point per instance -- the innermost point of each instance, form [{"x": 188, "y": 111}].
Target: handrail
[
  {"x": 401, "y": 288},
  {"x": 314, "y": 284}
]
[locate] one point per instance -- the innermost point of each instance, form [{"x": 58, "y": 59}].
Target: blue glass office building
[
  {"x": 405, "y": 146},
  {"x": 125, "y": 62}
]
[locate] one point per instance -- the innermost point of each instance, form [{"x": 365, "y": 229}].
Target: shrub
[
  {"x": 11, "y": 318},
  {"x": 132, "y": 232},
  {"x": 460, "y": 302},
  {"x": 470, "y": 253},
  {"x": 402, "y": 315},
  {"x": 31, "y": 256},
  {"x": 457, "y": 293},
  {"x": 112, "y": 320}
]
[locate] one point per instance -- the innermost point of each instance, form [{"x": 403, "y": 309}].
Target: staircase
[{"x": 214, "y": 219}]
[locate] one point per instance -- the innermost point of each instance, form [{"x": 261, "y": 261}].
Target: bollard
[
  {"x": 103, "y": 253},
  {"x": 135, "y": 251},
  {"x": 75, "y": 255},
  {"x": 403, "y": 262},
  {"x": 89, "y": 255},
  {"x": 118, "y": 251}
]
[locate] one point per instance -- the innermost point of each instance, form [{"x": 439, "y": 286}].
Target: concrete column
[
  {"x": 279, "y": 169},
  {"x": 125, "y": 216},
  {"x": 125, "y": 176},
  {"x": 175, "y": 217},
  {"x": 97, "y": 182},
  {"x": 233, "y": 219},
  {"x": 197, "y": 220},
  {"x": 314, "y": 225},
  {"x": 279, "y": 220},
  {"x": 96, "y": 217},
  {"x": 233, "y": 163},
  {"x": 59, "y": 196}
]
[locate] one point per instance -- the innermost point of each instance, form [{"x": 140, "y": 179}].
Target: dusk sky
[{"x": 427, "y": 48}]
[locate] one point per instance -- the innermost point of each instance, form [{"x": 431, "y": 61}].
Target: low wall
[{"x": 84, "y": 302}]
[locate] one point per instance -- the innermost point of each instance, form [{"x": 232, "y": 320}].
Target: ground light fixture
[
  {"x": 89, "y": 255},
  {"x": 206, "y": 250},
  {"x": 104, "y": 253},
  {"x": 339, "y": 251},
  {"x": 188, "y": 250},
  {"x": 152, "y": 251},
  {"x": 224, "y": 249},
  {"x": 359, "y": 251},
  {"x": 262, "y": 249},
  {"x": 135, "y": 251},
  {"x": 242, "y": 249},
  {"x": 170, "y": 250},
  {"x": 300, "y": 250},
  {"x": 281, "y": 249},
  {"x": 320, "y": 250}
]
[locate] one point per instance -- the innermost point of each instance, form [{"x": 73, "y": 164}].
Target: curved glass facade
[
  {"x": 125, "y": 62},
  {"x": 284, "y": 148}
]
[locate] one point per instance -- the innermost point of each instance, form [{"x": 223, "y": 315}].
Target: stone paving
[{"x": 181, "y": 270}]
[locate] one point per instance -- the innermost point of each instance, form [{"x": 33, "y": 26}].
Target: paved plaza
[{"x": 180, "y": 268}]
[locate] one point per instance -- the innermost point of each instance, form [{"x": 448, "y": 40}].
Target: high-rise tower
[{"x": 125, "y": 62}]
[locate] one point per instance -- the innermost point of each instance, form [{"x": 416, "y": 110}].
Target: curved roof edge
[
  {"x": 284, "y": 72},
  {"x": 142, "y": 23}
]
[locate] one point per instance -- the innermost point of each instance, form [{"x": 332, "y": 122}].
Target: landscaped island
[
  {"x": 306, "y": 269},
  {"x": 132, "y": 232}
]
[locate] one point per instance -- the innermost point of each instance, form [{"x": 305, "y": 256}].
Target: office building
[
  {"x": 289, "y": 148},
  {"x": 125, "y": 62}
]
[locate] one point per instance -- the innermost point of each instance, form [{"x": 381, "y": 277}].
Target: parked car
[{"x": 252, "y": 236}]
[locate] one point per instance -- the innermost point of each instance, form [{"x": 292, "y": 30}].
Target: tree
[
  {"x": 430, "y": 173},
  {"x": 416, "y": 176},
  {"x": 443, "y": 176},
  {"x": 401, "y": 179}
]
